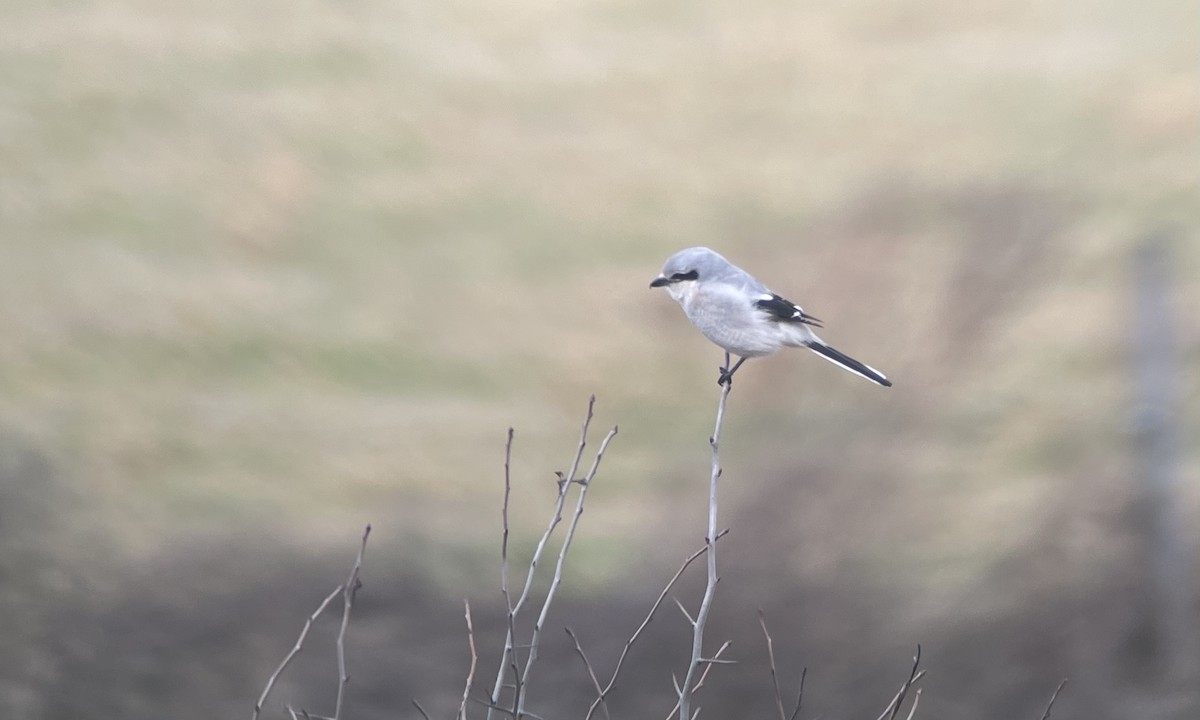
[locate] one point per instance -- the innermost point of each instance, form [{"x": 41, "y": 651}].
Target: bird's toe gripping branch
[{"x": 726, "y": 376}]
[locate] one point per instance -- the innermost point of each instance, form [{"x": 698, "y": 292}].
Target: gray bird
[{"x": 742, "y": 315}]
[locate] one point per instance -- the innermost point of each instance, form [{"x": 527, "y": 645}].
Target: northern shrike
[{"x": 741, "y": 315}]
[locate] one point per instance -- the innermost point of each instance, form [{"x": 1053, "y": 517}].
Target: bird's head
[{"x": 683, "y": 269}]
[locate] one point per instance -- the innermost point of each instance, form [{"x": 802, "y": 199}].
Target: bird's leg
[{"x": 727, "y": 372}]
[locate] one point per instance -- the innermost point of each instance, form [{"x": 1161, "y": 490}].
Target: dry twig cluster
[
  {"x": 512, "y": 674},
  {"x": 348, "y": 590},
  {"x": 509, "y": 693}
]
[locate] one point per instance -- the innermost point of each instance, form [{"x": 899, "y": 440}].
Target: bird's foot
[{"x": 725, "y": 378}]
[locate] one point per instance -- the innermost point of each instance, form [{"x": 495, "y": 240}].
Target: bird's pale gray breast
[{"x": 727, "y": 316}]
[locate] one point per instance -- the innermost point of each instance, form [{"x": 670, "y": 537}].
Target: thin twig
[
  {"x": 590, "y": 671},
  {"x": 510, "y": 648},
  {"x": 508, "y": 657},
  {"x": 700, "y": 681},
  {"x": 555, "y": 519},
  {"x": 704, "y": 675},
  {"x": 504, "y": 517},
  {"x": 662, "y": 596},
  {"x": 262, "y": 699},
  {"x": 349, "y": 590},
  {"x": 691, "y": 620},
  {"x": 762, "y": 621},
  {"x": 799, "y": 695},
  {"x": 912, "y": 711},
  {"x": 685, "y": 696},
  {"x": 501, "y": 709},
  {"x": 1057, "y": 690},
  {"x": 509, "y": 651},
  {"x": 584, "y": 485},
  {"x": 913, "y": 676},
  {"x": 420, "y": 709},
  {"x": 462, "y": 709}
]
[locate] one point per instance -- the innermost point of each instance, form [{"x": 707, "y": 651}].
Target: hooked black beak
[{"x": 660, "y": 281}]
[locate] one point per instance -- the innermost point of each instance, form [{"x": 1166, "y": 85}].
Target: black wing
[{"x": 783, "y": 310}]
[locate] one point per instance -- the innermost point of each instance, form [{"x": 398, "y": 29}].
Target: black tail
[{"x": 850, "y": 364}]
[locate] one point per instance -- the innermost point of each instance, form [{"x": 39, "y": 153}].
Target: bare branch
[
  {"x": 913, "y": 710},
  {"x": 584, "y": 485},
  {"x": 462, "y": 709},
  {"x": 349, "y": 590},
  {"x": 799, "y": 695},
  {"x": 583, "y": 431},
  {"x": 913, "y": 676},
  {"x": 509, "y": 649},
  {"x": 691, "y": 620},
  {"x": 504, "y": 516},
  {"x": 509, "y": 655},
  {"x": 699, "y": 682},
  {"x": 420, "y": 709},
  {"x": 685, "y": 696},
  {"x": 262, "y": 699},
  {"x": 762, "y": 621},
  {"x": 590, "y": 671},
  {"x": 1057, "y": 690},
  {"x": 508, "y": 658},
  {"x": 662, "y": 596},
  {"x": 501, "y": 709}
]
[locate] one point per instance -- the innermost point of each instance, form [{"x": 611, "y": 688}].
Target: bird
[{"x": 741, "y": 315}]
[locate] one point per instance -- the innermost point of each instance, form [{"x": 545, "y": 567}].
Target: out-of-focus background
[{"x": 272, "y": 270}]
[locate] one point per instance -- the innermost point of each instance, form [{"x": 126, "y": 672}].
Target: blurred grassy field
[{"x": 271, "y": 270}]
